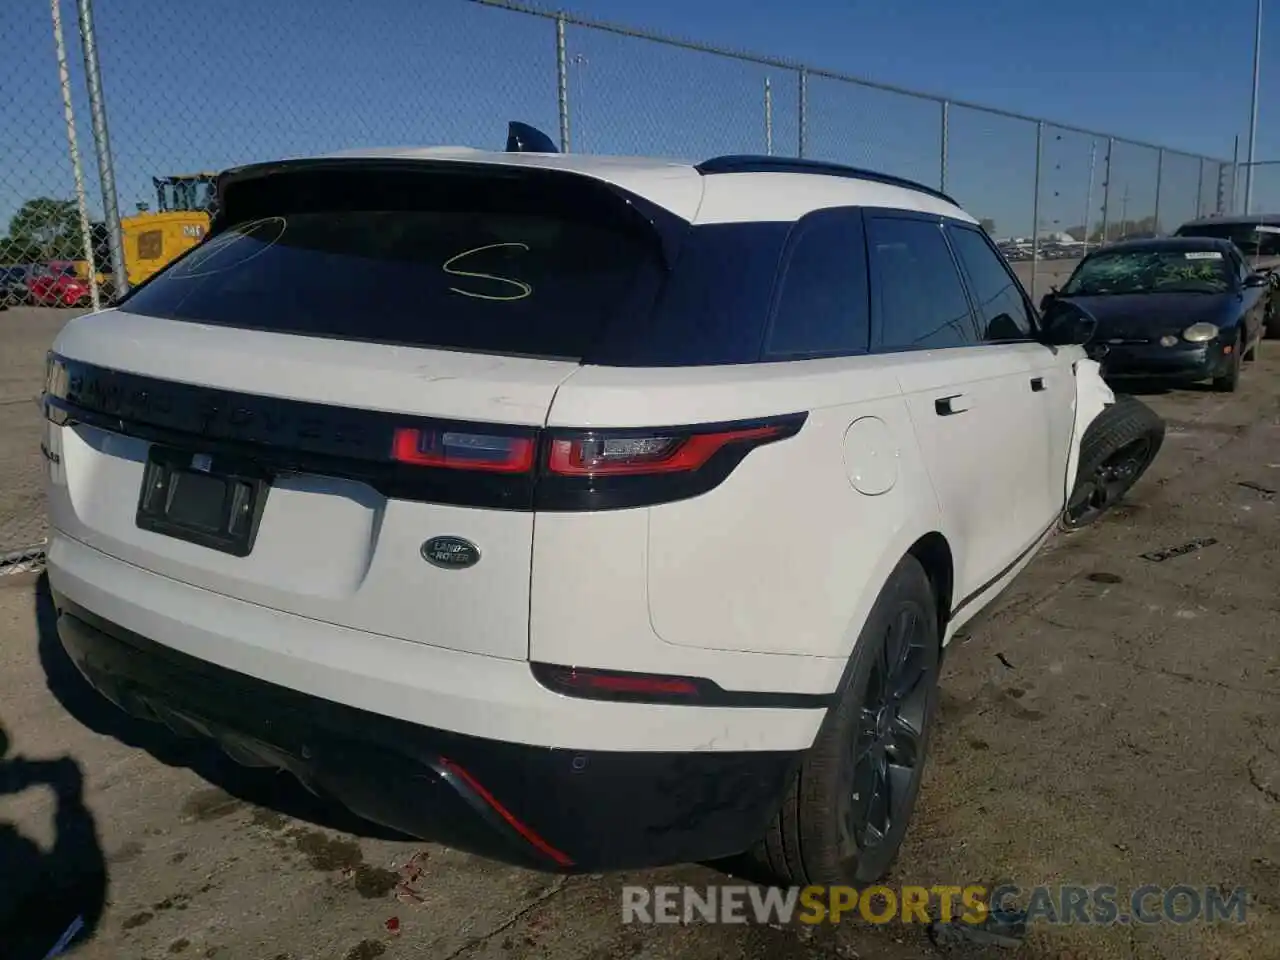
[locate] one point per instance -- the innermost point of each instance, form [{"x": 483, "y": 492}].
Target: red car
[{"x": 58, "y": 285}]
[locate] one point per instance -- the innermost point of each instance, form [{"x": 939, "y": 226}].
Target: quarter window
[
  {"x": 823, "y": 305},
  {"x": 919, "y": 299}
]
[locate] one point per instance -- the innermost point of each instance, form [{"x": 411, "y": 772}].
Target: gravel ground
[{"x": 1113, "y": 720}]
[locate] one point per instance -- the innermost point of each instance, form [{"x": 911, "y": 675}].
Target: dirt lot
[{"x": 1113, "y": 721}]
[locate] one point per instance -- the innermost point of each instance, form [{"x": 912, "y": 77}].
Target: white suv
[{"x": 585, "y": 512}]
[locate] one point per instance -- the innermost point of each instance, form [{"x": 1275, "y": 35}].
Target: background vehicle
[
  {"x": 14, "y": 291},
  {"x": 59, "y": 284},
  {"x": 588, "y": 512},
  {"x": 1258, "y": 238},
  {"x": 1185, "y": 308},
  {"x": 152, "y": 239}
]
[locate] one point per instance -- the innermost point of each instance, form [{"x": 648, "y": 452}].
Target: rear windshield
[
  {"x": 484, "y": 260},
  {"x": 480, "y": 281}
]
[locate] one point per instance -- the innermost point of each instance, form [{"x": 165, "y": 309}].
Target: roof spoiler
[{"x": 522, "y": 138}]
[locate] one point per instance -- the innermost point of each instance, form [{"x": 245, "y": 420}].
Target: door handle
[
  {"x": 1037, "y": 384},
  {"x": 947, "y": 406}
]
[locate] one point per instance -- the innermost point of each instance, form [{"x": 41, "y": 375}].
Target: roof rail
[{"x": 753, "y": 163}]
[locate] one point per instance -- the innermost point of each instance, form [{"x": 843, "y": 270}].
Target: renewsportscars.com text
[{"x": 1062, "y": 904}]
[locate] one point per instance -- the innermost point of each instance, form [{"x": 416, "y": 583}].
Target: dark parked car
[
  {"x": 13, "y": 286},
  {"x": 1183, "y": 308},
  {"x": 1258, "y": 237}
]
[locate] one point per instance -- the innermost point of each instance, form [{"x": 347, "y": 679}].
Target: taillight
[
  {"x": 458, "y": 450},
  {"x": 595, "y": 455},
  {"x": 617, "y": 469}
]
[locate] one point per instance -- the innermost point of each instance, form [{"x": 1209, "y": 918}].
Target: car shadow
[
  {"x": 54, "y": 897},
  {"x": 273, "y": 790},
  {"x": 1143, "y": 387}
]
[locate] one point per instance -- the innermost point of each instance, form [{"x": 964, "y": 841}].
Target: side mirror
[
  {"x": 1066, "y": 324},
  {"x": 1257, "y": 280}
]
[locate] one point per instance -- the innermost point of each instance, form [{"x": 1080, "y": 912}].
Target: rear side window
[
  {"x": 713, "y": 305},
  {"x": 490, "y": 264},
  {"x": 1002, "y": 311},
  {"x": 916, "y": 289},
  {"x": 823, "y": 303}
]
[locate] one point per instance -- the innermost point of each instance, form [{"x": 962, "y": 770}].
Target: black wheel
[
  {"x": 1117, "y": 448},
  {"x": 846, "y": 811},
  {"x": 1230, "y": 381}
]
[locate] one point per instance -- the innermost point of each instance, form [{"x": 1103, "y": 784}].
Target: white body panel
[
  {"x": 761, "y": 584},
  {"x": 467, "y": 693},
  {"x": 329, "y": 549}
]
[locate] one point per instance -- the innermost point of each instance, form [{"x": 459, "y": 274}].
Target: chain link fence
[{"x": 184, "y": 96}]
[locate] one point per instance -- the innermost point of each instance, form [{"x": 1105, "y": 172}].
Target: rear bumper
[
  {"x": 1187, "y": 362},
  {"x": 460, "y": 748},
  {"x": 546, "y": 808}
]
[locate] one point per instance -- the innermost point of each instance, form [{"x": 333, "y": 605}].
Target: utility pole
[
  {"x": 1253, "y": 111},
  {"x": 1124, "y": 210}
]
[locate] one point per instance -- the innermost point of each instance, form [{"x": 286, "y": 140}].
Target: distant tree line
[{"x": 47, "y": 229}]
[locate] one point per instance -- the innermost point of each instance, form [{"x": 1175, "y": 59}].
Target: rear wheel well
[{"x": 934, "y": 554}]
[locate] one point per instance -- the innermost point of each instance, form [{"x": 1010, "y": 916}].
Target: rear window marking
[
  {"x": 525, "y": 289},
  {"x": 1203, "y": 255},
  {"x": 189, "y": 267},
  {"x": 1263, "y": 228}
]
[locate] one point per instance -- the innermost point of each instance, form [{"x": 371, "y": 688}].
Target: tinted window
[
  {"x": 1002, "y": 311},
  {"x": 919, "y": 299},
  {"x": 488, "y": 282},
  {"x": 713, "y": 305},
  {"x": 1254, "y": 240},
  {"x": 823, "y": 304}
]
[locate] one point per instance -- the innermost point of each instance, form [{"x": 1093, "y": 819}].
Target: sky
[{"x": 201, "y": 87}]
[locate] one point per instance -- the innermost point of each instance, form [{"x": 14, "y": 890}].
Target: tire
[
  {"x": 1116, "y": 450},
  {"x": 812, "y": 838},
  {"x": 1229, "y": 382}
]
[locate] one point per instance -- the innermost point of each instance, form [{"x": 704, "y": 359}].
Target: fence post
[
  {"x": 1106, "y": 192},
  {"x": 1235, "y": 175},
  {"x": 1155, "y": 226},
  {"x": 64, "y": 79},
  {"x": 946, "y": 135},
  {"x": 768, "y": 117},
  {"x": 102, "y": 147},
  {"x": 562, "y": 83},
  {"x": 1200, "y": 189},
  {"x": 803, "y": 123},
  {"x": 1035, "y": 211}
]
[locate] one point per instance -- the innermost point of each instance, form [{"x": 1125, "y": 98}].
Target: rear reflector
[
  {"x": 624, "y": 686},
  {"x": 598, "y": 455},
  {"x": 462, "y": 451},
  {"x": 582, "y": 682}
]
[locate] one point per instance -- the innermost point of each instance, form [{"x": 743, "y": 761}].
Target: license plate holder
[{"x": 210, "y": 500}]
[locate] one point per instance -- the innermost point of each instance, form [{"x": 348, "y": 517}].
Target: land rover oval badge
[{"x": 450, "y": 553}]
